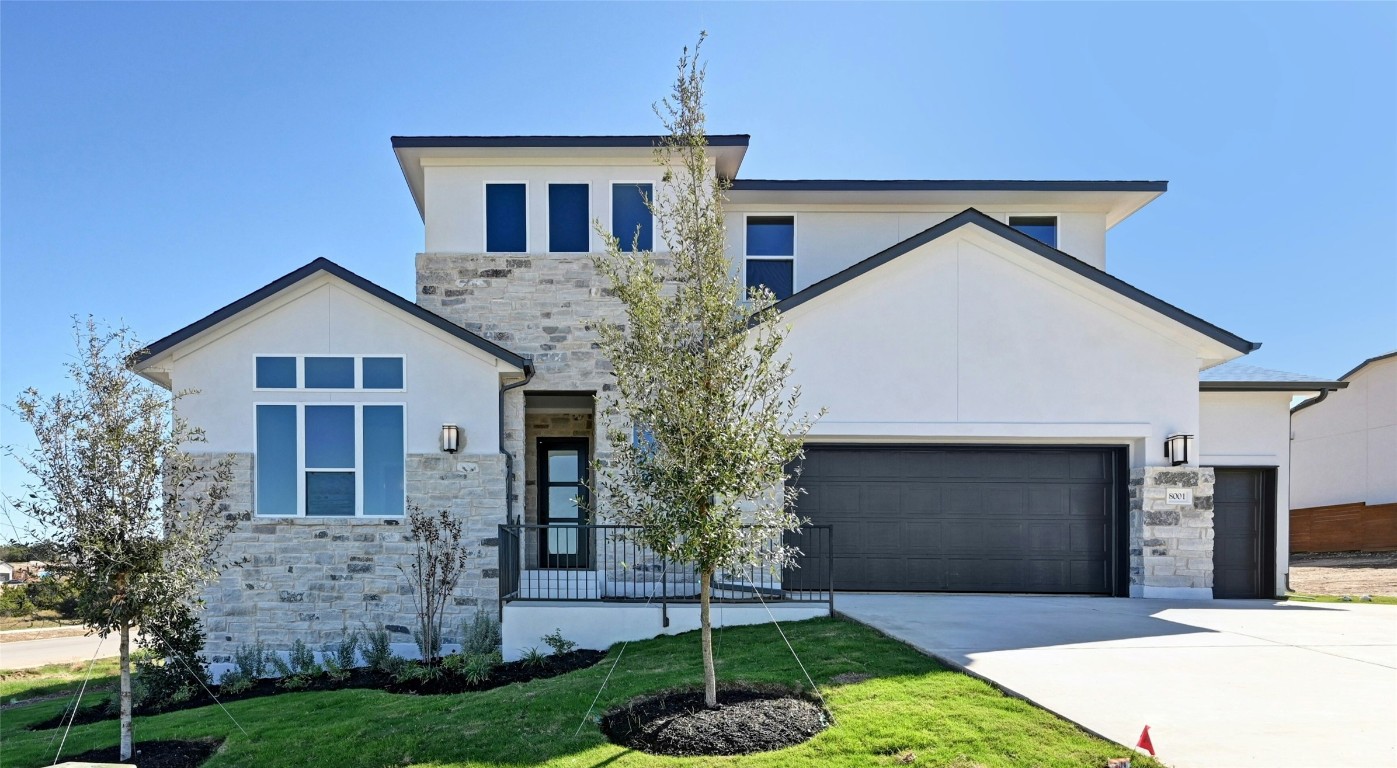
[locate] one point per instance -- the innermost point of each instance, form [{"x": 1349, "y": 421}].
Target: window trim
[
  {"x": 301, "y": 374},
  {"x": 611, "y": 210},
  {"x": 795, "y": 235},
  {"x": 1057, "y": 225},
  {"x": 548, "y": 213},
  {"x": 301, "y": 467},
  {"x": 485, "y": 214}
]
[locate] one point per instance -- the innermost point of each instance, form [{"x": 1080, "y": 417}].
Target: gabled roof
[
  {"x": 1367, "y": 363},
  {"x": 331, "y": 268},
  {"x": 998, "y": 228},
  {"x": 1240, "y": 377}
]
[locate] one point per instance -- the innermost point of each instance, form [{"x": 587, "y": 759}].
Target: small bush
[
  {"x": 298, "y": 669},
  {"x": 252, "y": 660},
  {"x": 557, "y": 642},
  {"x": 534, "y": 660},
  {"x": 478, "y": 668},
  {"x": 234, "y": 682},
  {"x": 345, "y": 652},
  {"x": 481, "y": 634},
  {"x": 378, "y": 649},
  {"x": 170, "y": 669}
]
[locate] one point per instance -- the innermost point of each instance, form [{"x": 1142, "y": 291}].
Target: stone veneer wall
[
  {"x": 1171, "y": 546},
  {"x": 311, "y": 579}
]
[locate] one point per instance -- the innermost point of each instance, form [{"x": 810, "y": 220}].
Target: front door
[
  {"x": 1243, "y": 534},
  {"x": 562, "y": 502}
]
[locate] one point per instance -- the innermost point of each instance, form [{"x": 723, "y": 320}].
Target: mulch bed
[
  {"x": 503, "y": 674},
  {"x": 749, "y": 718},
  {"x": 155, "y": 754}
]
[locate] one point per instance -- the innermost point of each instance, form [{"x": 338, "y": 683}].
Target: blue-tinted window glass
[
  {"x": 276, "y": 372},
  {"x": 778, "y": 275},
  {"x": 383, "y": 459},
  {"x": 330, "y": 436},
  {"x": 505, "y": 227},
  {"x": 628, "y": 211},
  {"x": 276, "y": 460},
  {"x": 568, "y": 228},
  {"x": 330, "y": 494},
  {"x": 383, "y": 373},
  {"x": 1040, "y": 228},
  {"x": 329, "y": 373},
  {"x": 771, "y": 236}
]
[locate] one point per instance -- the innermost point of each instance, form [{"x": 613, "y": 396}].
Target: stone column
[{"x": 1171, "y": 543}]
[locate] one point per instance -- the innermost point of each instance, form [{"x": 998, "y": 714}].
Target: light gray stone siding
[
  {"x": 1171, "y": 546},
  {"x": 313, "y": 579}
]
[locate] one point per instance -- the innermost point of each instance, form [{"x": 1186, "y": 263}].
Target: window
[
  {"x": 330, "y": 460},
  {"x": 569, "y": 230},
  {"x": 771, "y": 250},
  {"x": 506, "y": 220},
  {"x": 335, "y": 372},
  {"x": 630, "y": 216},
  {"x": 1040, "y": 228}
]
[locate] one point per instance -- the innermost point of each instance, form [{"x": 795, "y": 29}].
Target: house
[
  {"x": 1344, "y": 449},
  {"x": 1005, "y": 415}
]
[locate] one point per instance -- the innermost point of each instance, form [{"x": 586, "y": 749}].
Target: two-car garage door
[{"x": 967, "y": 518}]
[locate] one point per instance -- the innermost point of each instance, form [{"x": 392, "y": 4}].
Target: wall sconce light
[
  {"x": 1176, "y": 448},
  {"x": 450, "y": 438}
]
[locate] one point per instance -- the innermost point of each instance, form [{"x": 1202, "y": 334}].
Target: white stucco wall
[
  {"x": 1252, "y": 429},
  {"x": 1345, "y": 448},
  {"x": 970, "y": 338},
  {"x": 447, "y": 380}
]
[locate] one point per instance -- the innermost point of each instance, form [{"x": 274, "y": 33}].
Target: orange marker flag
[{"x": 1144, "y": 742}]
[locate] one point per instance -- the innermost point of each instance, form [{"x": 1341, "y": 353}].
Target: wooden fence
[{"x": 1344, "y": 528}]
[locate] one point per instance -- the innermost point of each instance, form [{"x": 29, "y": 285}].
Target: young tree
[
  {"x": 701, "y": 421},
  {"x": 434, "y": 571},
  {"x": 133, "y": 518}
]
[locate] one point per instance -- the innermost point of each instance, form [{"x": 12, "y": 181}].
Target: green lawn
[
  {"x": 910, "y": 711},
  {"x": 1296, "y": 597},
  {"x": 55, "y": 679}
]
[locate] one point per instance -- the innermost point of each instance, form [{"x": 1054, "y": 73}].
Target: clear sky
[{"x": 160, "y": 160}]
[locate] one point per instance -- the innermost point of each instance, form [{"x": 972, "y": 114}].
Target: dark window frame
[
  {"x": 748, "y": 256},
  {"x": 524, "y": 212}
]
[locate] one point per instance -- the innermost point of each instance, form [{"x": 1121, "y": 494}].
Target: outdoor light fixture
[
  {"x": 1176, "y": 447},
  {"x": 450, "y": 438}
]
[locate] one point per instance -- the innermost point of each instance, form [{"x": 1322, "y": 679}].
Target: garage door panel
[{"x": 966, "y": 519}]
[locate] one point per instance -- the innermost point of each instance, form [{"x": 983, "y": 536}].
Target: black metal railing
[{"x": 608, "y": 563}]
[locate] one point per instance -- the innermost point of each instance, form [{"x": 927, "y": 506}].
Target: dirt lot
[{"x": 1344, "y": 573}]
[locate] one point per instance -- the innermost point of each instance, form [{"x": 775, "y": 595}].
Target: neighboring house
[
  {"x": 999, "y": 403},
  {"x": 1344, "y": 451},
  {"x": 7, "y": 573}
]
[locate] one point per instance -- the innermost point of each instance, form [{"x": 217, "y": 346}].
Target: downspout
[
  {"x": 1323, "y": 393},
  {"x": 508, "y": 457},
  {"x": 1290, "y": 462}
]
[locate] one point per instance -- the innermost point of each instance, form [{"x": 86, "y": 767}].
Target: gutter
[
  {"x": 1323, "y": 393},
  {"x": 508, "y": 457}
]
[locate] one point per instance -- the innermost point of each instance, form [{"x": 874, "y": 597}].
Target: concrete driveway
[
  {"x": 1222, "y": 684},
  {"x": 56, "y": 650}
]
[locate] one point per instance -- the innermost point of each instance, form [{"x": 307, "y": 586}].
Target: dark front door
[
  {"x": 1243, "y": 534},
  {"x": 968, "y": 518},
  {"x": 562, "y": 502}
]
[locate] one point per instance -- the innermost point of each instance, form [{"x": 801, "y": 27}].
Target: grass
[
  {"x": 1297, "y": 597},
  {"x": 40, "y": 620},
  {"x": 56, "y": 679},
  {"x": 910, "y": 711}
]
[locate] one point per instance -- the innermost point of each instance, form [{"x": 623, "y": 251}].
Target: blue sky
[{"x": 160, "y": 160}]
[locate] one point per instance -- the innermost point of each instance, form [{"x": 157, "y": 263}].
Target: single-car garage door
[{"x": 966, "y": 519}]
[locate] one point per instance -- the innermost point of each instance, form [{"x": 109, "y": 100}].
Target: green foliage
[
  {"x": 474, "y": 668},
  {"x": 557, "y": 642},
  {"x": 434, "y": 571},
  {"x": 19, "y": 552},
  {"x": 378, "y": 649},
  {"x": 298, "y": 669},
  {"x": 14, "y": 602},
  {"x": 172, "y": 670},
  {"x": 235, "y": 682},
  {"x": 481, "y": 634},
  {"x": 344, "y": 654},
  {"x": 252, "y": 661},
  {"x": 534, "y": 660}
]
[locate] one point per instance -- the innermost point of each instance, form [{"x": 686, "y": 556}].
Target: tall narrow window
[
  {"x": 771, "y": 250},
  {"x": 383, "y": 459},
  {"x": 568, "y": 227},
  {"x": 506, "y": 220},
  {"x": 329, "y": 452},
  {"x": 275, "y": 475},
  {"x": 631, "y": 221},
  {"x": 1040, "y": 228}
]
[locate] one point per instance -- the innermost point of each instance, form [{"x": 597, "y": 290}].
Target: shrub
[
  {"x": 481, "y": 634},
  {"x": 171, "y": 669},
  {"x": 252, "y": 660},
  {"x": 378, "y": 649},
  {"x": 298, "y": 669},
  {"x": 234, "y": 682},
  {"x": 434, "y": 571},
  {"x": 533, "y": 660},
  {"x": 478, "y": 668},
  {"x": 557, "y": 642},
  {"x": 345, "y": 652},
  {"x": 14, "y": 602}
]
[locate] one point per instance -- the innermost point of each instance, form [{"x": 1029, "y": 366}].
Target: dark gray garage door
[
  {"x": 1243, "y": 536},
  {"x": 965, "y": 519}
]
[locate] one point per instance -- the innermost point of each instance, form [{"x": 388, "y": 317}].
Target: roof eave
[{"x": 1269, "y": 386}]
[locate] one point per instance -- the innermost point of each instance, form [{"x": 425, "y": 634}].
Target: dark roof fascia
[
  {"x": 362, "y": 283},
  {"x": 1269, "y": 386},
  {"x": 533, "y": 142},
  {"x": 973, "y": 216},
  {"x": 1367, "y": 363},
  {"x": 933, "y": 185}
]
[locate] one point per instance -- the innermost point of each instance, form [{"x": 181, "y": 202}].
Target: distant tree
[
  {"x": 134, "y": 520},
  {"x": 702, "y": 422}
]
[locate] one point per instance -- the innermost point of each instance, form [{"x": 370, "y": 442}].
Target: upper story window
[
  {"x": 1040, "y": 228},
  {"x": 569, "y": 227},
  {"x": 506, "y": 218},
  {"x": 770, "y": 254},
  {"x": 329, "y": 460},
  {"x": 631, "y": 221},
  {"x": 330, "y": 372}
]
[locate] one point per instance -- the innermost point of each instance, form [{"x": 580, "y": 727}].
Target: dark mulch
[
  {"x": 155, "y": 754},
  {"x": 504, "y": 674},
  {"x": 749, "y": 718}
]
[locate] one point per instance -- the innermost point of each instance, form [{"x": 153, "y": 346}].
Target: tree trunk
[
  {"x": 125, "y": 691},
  {"x": 710, "y": 677}
]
